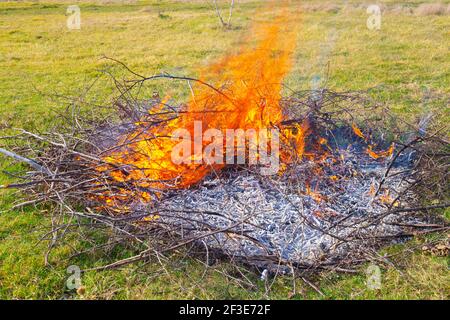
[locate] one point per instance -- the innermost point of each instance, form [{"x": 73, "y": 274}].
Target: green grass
[{"x": 407, "y": 60}]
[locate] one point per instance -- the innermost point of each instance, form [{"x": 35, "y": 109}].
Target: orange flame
[
  {"x": 373, "y": 154},
  {"x": 380, "y": 154},
  {"x": 250, "y": 85},
  {"x": 358, "y": 132}
]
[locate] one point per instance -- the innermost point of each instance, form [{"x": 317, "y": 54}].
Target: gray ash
[{"x": 248, "y": 216}]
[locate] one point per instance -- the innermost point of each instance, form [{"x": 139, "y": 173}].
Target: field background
[{"x": 407, "y": 62}]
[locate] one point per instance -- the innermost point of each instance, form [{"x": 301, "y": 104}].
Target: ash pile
[{"x": 296, "y": 218}]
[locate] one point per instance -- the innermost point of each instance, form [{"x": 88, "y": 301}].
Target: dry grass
[
  {"x": 401, "y": 9},
  {"x": 432, "y": 9},
  {"x": 321, "y": 7},
  {"x": 425, "y": 9}
]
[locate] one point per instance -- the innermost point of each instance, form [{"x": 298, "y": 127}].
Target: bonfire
[{"x": 198, "y": 175}]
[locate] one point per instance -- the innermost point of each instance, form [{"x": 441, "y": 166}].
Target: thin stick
[{"x": 30, "y": 162}]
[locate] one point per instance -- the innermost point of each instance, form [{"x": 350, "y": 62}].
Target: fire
[
  {"x": 380, "y": 154},
  {"x": 242, "y": 91},
  {"x": 358, "y": 132},
  {"x": 373, "y": 154},
  {"x": 248, "y": 97}
]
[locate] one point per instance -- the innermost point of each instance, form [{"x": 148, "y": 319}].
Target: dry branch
[{"x": 275, "y": 223}]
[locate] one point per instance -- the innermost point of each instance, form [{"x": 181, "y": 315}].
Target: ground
[{"x": 406, "y": 62}]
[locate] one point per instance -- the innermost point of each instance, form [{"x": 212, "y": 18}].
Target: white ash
[{"x": 250, "y": 216}]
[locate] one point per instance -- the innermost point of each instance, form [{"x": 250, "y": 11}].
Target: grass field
[{"x": 407, "y": 60}]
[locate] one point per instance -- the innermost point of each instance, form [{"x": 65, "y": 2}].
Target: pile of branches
[{"x": 61, "y": 176}]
